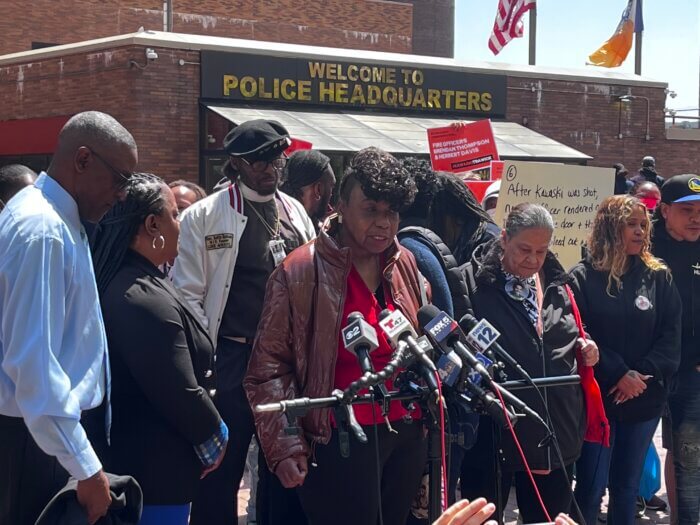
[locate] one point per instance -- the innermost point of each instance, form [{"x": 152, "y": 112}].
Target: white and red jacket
[{"x": 210, "y": 231}]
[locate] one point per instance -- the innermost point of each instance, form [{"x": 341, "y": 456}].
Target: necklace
[{"x": 274, "y": 232}]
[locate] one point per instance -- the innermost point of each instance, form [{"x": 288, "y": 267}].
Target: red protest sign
[
  {"x": 478, "y": 188},
  {"x": 296, "y": 145},
  {"x": 462, "y": 147},
  {"x": 497, "y": 169}
]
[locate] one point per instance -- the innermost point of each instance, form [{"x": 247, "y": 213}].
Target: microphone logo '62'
[{"x": 351, "y": 332}]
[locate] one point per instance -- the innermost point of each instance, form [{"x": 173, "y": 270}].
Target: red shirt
[{"x": 347, "y": 369}]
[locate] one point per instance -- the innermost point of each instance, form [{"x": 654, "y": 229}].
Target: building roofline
[{"x": 213, "y": 43}]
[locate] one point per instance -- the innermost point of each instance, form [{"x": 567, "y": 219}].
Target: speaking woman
[
  {"x": 632, "y": 309},
  {"x": 355, "y": 264},
  {"x": 165, "y": 429}
]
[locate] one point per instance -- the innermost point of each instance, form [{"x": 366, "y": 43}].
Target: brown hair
[{"x": 606, "y": 245}]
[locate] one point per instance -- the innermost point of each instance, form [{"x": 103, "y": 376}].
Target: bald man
[
  {"x": 53, "y": 349},
  {"x": 13, "y": 178}
]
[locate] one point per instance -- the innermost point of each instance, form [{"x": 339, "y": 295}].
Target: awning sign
[{"x": 463, "y": 147}]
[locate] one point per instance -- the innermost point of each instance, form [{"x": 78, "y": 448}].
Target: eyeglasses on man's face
[
  {"x": 120, "y": 179},
  {"x": 261, "y": 165}
]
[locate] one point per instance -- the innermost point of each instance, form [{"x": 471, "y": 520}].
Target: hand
[
  {"x": 292, "y": 471},
  {"x": 589, "y": 351},
  {"x": 630, "y": 385},
  {"x": 208, "y": 470},
  {"x": 465, "y": 513},
  {"x": 564, "y": 519},
  {"x": 93, "y": 495}
]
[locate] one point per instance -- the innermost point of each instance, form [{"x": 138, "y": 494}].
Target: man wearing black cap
[
  {"x": 309, "y": 178},
  {"x": 230, "y": 242},
  {"x": 676, "y": 234},
  {"x": 648, "y": 173}
]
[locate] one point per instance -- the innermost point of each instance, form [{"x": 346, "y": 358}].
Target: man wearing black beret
[
  {"x": 230, "y": 242},
  {"x": 309, "y": 178}
]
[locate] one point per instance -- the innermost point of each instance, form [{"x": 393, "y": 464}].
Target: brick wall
[
  {"x": 354, "y": 24},
  {"x": 157, "y": 104},
  {"x": 587, "y": 117}
]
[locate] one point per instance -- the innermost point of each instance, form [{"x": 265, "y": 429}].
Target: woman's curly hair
[
  {"x": 381, "y": 176},
  {"x": 606, "y": 244}
]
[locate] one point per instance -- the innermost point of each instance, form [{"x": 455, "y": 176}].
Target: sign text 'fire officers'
[{"x": 316, "y": 82}]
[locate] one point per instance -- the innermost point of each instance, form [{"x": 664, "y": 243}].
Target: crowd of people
[{"x": 142, "y": 322}]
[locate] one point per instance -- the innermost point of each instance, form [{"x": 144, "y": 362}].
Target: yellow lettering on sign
[
  {"x": 249, "y": 88},
  {"x": 474, "y": 101},
  {"x": 365, "y": 74},
  {"x": 418, "y": 77},
  {"x": 391, "y": 75},
  {"x": 434, "y": 99},
  {"x": 358, "y": 94},
  {"x": 341, "y": 93},
  {"x": 317, "y": 69},
  {"x": 332, "y": 71},
  {"x": 230, "y": 82},
  {"x": 341, "y": 75},
  {"x": 374, "y": 95},
  {"x": 405, "y": 96},
  {"x": 261, "y": 88},
  {"x": 287, "y": 89},
  {"x": 448, "y": 93},
  {"x": 461, "y": 100},
  {"x": 304, "y": 87},
  {"x": 326, "y": 91},
  {"x": 389, "y": 96},
  {"x": 419, "y": 99},
  {"x": 352, "y": 72},
  {"x": 486, "y": 103}
]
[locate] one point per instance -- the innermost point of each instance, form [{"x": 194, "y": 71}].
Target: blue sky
[{"x": 569, "y": 30}]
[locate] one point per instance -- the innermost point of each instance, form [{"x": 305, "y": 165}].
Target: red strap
[
  {"x": 597, "y": 424},
  {"x": 234, "y": 196}
]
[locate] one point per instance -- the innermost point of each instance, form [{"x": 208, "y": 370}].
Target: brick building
[
  {"x": 422, "y": 27},
  {"x": 180, "y": 104}
]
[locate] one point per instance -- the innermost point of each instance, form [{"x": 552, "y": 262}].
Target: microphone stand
[{"x": 496, "y": 435}]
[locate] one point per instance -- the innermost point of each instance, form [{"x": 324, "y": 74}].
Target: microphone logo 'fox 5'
[{"x": 441, "y": 327}]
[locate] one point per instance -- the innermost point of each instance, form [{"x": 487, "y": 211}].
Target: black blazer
[{"x": 162, "y": 380}]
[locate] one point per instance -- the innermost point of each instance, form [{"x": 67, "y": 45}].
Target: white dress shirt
[{"x": 53, "y": 348}]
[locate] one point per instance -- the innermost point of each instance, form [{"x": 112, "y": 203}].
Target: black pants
[
  {"x": 344, "y": 491},
  {"x": 276, "y": 505},
  {"x": 217, "y": 499},
  {"x": 29, "y": 478}
]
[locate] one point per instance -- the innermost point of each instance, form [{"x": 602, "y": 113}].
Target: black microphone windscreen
[
  {"x": 355, "y": 316},
  {"x": 384, "y": 314},
  {"x": 427, "y": 313},
  {"x": 467, "y": 322}
]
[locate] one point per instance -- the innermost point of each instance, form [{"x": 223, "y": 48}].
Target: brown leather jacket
[{"x": 295, "y": 349}]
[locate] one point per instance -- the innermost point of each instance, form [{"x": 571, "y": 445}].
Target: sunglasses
[
  {"x": 120, "y": 179},
  {"x": 261, "y": 165}
]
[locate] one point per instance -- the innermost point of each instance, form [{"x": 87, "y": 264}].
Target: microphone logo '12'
[
  {"x": 483, "y": 335},
  {"x": 441, "y": 327}
]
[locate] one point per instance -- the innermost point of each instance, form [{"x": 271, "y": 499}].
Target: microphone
[
  {"x": 399, "y": 332},
  {"x": 397, "y": 328},
  {"x": 360, "y": 338},
  {"x": 445, "y": 332},
  {"x": 483, "y": 335}
]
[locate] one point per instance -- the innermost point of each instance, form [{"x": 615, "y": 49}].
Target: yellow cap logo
[{"x": 694, "y": 184}]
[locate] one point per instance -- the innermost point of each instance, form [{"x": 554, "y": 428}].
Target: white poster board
[{"x": 570, "y": 193}]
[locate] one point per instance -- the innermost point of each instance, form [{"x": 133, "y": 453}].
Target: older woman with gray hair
[{"x": 521, "y": 288}]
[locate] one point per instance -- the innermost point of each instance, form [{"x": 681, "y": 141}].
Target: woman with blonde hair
[{"x": 632, "y": 309}]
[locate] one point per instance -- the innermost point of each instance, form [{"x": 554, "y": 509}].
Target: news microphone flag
[
  {"x": 509, "y": 22},
  {"x": 615, "y": 50}
]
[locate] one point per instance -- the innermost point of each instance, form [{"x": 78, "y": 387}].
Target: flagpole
[
  {"x": 638, "y": 53},
  {"x": 533, "y": 35}
]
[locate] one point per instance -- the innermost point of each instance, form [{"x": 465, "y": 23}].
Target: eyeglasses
[
  {"x": 121, "y": 179},
  {"x": 261, "y": 165}
]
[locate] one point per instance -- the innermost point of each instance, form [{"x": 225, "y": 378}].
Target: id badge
[{"x": 277, "y": 251}]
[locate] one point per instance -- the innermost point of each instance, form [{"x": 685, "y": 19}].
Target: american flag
[{"x": 509, "y": 22}]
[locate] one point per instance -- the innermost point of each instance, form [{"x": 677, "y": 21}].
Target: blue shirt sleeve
[
  {"x": 35, "y": 306},
  {"x": 210, "y": 451},
  {"x": 431, "y": 268}
]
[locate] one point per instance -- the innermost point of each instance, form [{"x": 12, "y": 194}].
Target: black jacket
[
  {"x": 648, "y": 174},
  {"x": 683, "y": 258},
  {"x": 125, "y": 509},
  {"x": 551, "y": 355},
  {"x": 162, "y": 372},
  {"x": 632, "y": 333}
]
